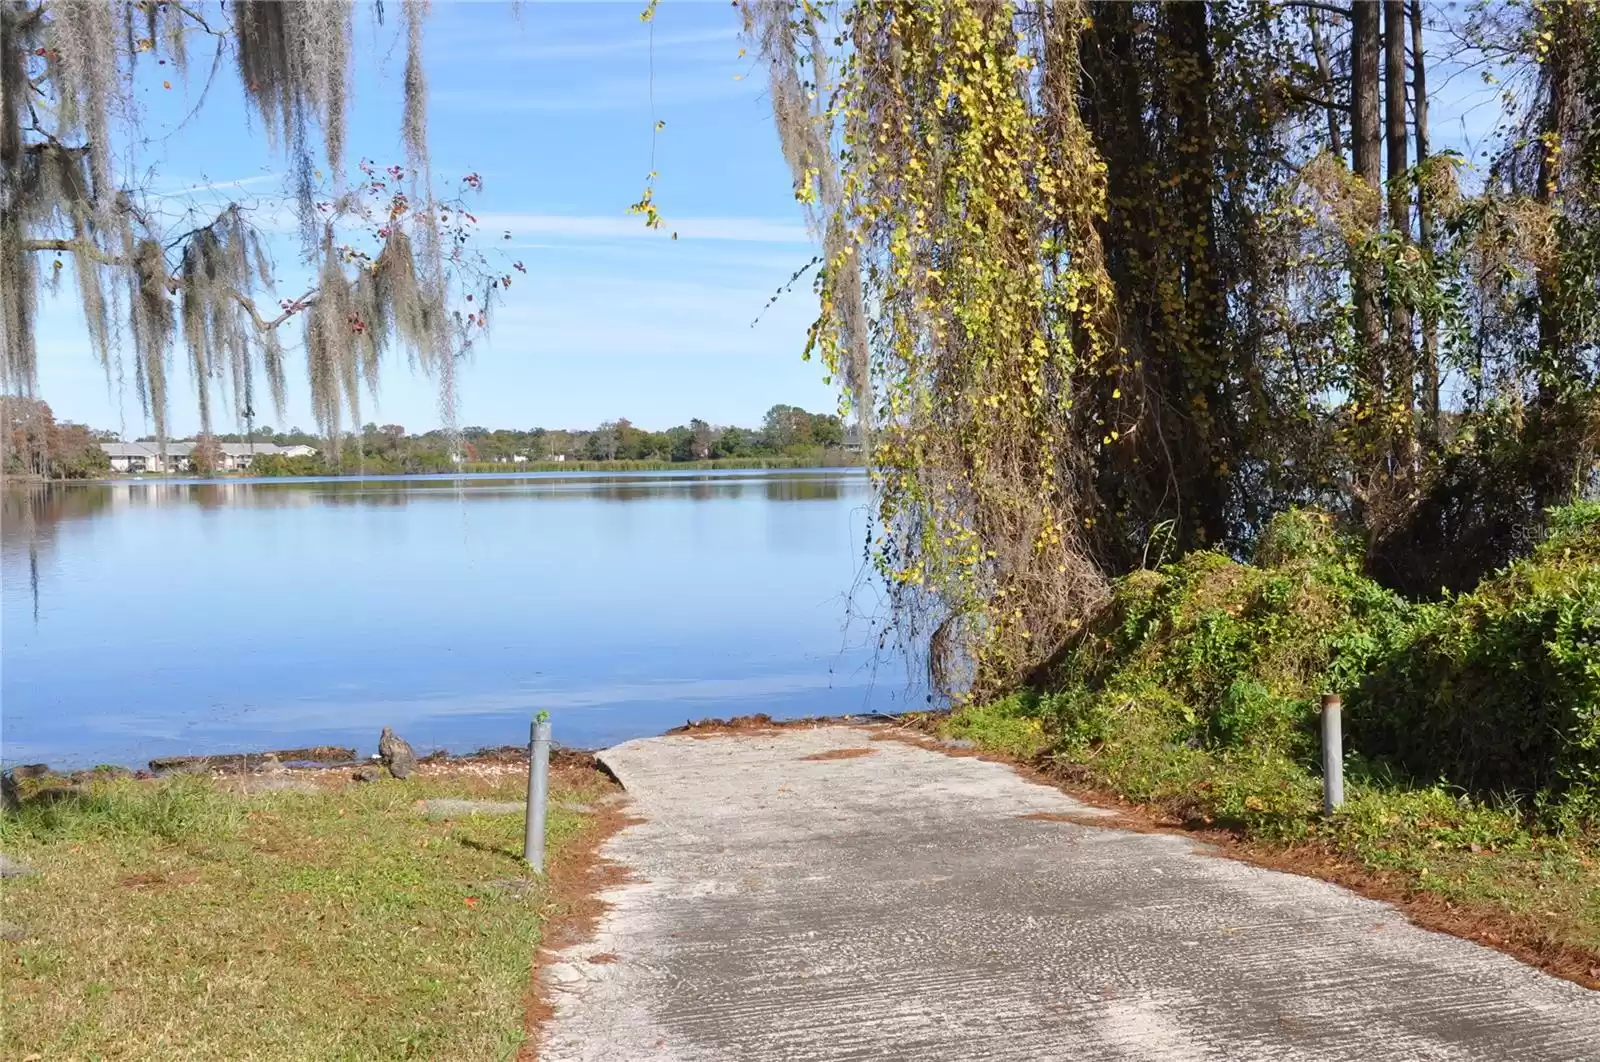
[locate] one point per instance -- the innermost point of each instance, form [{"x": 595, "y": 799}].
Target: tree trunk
[
  {"x": 1403, "y": 358},
  {"x": 1425, "y": 216},
  {"x": 1112, "y": 108},
  {"x": 1550, "y": 472},
  {"x": 1366, "y": 152},
  {"x": 1202, "y": 365},
  {"x": 1319, "y": 48},
  {"x": 1551, "y": 130}
]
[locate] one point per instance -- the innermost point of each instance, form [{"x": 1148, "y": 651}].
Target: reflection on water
[
  {"x": 142, "y": 618},
  {"x": 29, "y": 514},
  {"x": 49, "y": 503}
]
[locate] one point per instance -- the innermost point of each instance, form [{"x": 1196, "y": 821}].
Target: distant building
[{"x": 235, "y": 457}]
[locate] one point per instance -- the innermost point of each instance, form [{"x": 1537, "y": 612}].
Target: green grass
[
  {"x": 175, "y": 920},
  {"x": 1004, "y": 726}
]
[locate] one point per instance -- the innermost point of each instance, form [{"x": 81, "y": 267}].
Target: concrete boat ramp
[{"x": 811, "y": 894}]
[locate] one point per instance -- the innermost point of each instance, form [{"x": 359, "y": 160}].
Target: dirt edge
[
  {"x": 577, "y": 880},
  {"x": 839, "y": 754},
  {"x": 762, "y": 723}
]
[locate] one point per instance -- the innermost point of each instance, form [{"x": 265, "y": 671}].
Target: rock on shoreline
[{"x": 397, "y": 754}]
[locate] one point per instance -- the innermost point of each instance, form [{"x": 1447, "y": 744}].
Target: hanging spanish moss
[
  {"x": 803, "y": 107},
  {"x": 68, "y": 131},
  {"x": 294, "y": 62},
  {"x": 420, "y": 286},
  {"x": 988, "y": 297},
  {"x": 218, "y": 261}
]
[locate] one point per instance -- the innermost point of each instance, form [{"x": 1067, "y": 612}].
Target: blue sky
[{"x": 552, "y": 105}]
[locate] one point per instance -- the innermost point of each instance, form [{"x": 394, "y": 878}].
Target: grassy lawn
[{"x": 182, "y": 919}]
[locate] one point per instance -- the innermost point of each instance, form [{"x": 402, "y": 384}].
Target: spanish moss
[{"x": 69, "y": 128}]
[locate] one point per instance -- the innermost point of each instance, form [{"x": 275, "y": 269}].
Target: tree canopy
[
  {"x": 37, "y": 444},
  {"x": 1113, "y": 281}
]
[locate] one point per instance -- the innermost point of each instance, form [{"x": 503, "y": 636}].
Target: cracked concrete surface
[{"x": 898, "y": 905}]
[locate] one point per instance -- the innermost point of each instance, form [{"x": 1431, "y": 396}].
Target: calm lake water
[{"x": 144, "y": 618}]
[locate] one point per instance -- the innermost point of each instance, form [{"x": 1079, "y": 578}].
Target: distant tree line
[
  {"x": 36, "y": 444},
  {"x": 785, "y": 432}
]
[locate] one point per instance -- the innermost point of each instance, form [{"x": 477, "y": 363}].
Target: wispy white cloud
[
  {"x": 527, "y": 46},
  {"x": 185, "y": 185},
  {"x": 739, "y": 263},
  {"x": 579, "y": 226},
  {"x": 624, "y": 320},
  {"x": 703, "y": 85}
]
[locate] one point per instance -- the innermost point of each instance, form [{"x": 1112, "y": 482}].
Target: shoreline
[
  {"x": 476, "y": 470},
  {"x": 340, "y": 757}
]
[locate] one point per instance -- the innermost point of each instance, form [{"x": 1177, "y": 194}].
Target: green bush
[
  {"x": 1198, "y": 686},
  {"x": 1010, "y": 725},
  {"x": 1498, "y": 690},
  {"x": 281, "y": 465},
  {"x": 1245, "y": 650}
]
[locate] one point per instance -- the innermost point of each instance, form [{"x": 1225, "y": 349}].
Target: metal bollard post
[
  {"x": 538, "y": 791},
  {"x": 1332, "y": 754}
]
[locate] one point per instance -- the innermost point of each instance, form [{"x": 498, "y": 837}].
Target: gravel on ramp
[{"x": 792, "y": 901}]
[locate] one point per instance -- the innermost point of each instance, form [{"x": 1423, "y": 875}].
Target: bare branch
[
  {"x": 199, "y": 19},
  {"x": 262, "y": 324},
  {"x": 1315, "y": 6},
  {"x": 295, "y": 306},
  {"x": 1316, "y": 101},
  {"x": 86, "y": 247}
]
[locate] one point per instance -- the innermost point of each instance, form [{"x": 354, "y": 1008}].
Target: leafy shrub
[
  {"x": 1251, "y": 714},
  {"x": 1245, "y": 650},
  {"x": 1302, "y": 535},
  {"x": 1499, "y": 689},
  {"x": 1398, "y": 827},
  {"x": 282, "y": 465},
  {"x": 1010, "y": 725},
  {"x": 1197, "y": 688},
  {"x": 1484, "y": 506},
  {"x": 1574, "y": 535}
]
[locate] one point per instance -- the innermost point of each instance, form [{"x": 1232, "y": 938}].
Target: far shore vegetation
[{"x": 40, "y": 447}]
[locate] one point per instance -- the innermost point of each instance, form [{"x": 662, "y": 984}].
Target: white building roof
[{"x": 184, "y": 449}]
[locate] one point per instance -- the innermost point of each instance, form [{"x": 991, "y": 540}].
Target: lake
[{"x": 150, "y": 618}]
